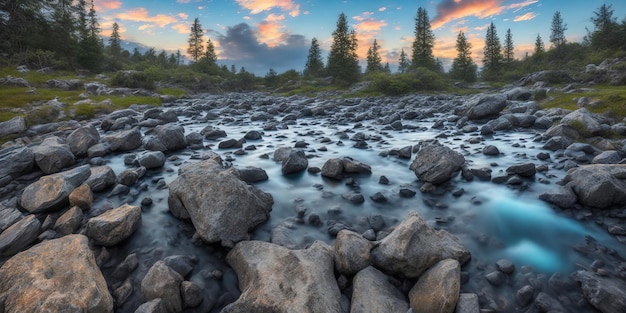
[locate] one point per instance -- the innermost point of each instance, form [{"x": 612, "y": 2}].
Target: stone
[
  {"x": 15, "y": 125},
  {"x": 607, "y": 157},
  {"x": 281, "y": 154},
  {"x": 152, "y": 306},
  {"x": 583, "y": 121},
  {"x": 413, "y": 247},
  {"x": 8, "y": 217},
  {"x": 353, "y": 166},
  {"x": 101, "y": 178},
  {"x": 163, "y": 282},
  {"x": 16, "y": 160},
  {"x": 522, "y": 169},
  {"x": 191, "y": 294},
  {"x": 525, "y": 295},
  {"x": 557, "y": 143},
  {"x": 230, "y": 144},
  {"x": 212, "y": 133},
  {"x": 546, "y": 303},
  {"x": 491, "y": 150},
  {"x": 253, "y": 135},
  {"x": 353, "y": 196},
  {"x": 69, "y": 222},
  {"x": 518, "y": 94},
  {"x": 598, "y": 185},
  {"x": 352, "y": 252},
  {"x": 128, "y": 177},
  {"x": 276, "y": 279},
  {"x": 81, "y": 197},
  {"x": 235, "y": 207},
  {"x": 468, "y": 303},
  {"x": 372, "y": 292},
  {"x": 436, "y": 164},
  {"x": 151, "y": 159},
  {"x": 52, "y": 191},
  {"x": 606, "y": 294},
  {"x": 171, "y": 136},
  {"x": 295, "y": 163},
  {"x": 19, "y": 235},
  {"x": 81, "y": 139},
  {"x": 53, "y": 155},
  {"x": 113, "y": 226},
  {"x": 505, "y": 266},
  {"x": 65, "y": 274},
  {"x": 126, "y": 267},
  {"x": 437, "y": 289},
  {"x": 124, "y": 140},
  {"x": 496, "y": 278},
  {"x": 182, "y": 264},
  {"x": 250, "y": 174},
  {"x": 484, "y": 106},
  {"x": 562, "y": 197},
  {"x": 333, "y": 168}
]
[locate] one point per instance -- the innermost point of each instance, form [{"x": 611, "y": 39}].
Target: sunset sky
[{"x": 264, "y": 34}]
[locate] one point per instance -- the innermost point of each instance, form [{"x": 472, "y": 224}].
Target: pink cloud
[
  {"x": 258, "y": 6},
  {"x": 525, "y": 17},
  {"x": 105, "y": 5},
  {"x": 449, "y": 10},
  {"x": 142, "y": 15}
]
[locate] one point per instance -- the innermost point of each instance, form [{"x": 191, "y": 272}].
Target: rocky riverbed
[{"x": 257, "y": 203}]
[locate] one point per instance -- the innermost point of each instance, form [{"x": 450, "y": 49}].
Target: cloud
[
  {"x": 105, "y": 5},
  {"x": 146, "y": 26},
  {"x": 518, "y": 6},
  {"x": 366, "y": 30},
  {"x": 258, "y": 6},
  {"x": 525, "y": 17},
  {"x": 182, "y": 15},
  {"x": 142, "y": 15},
  {"x": 182, "y": 28},
  {"x": 449, "y": 10},
  {"x": 382, "y": 9},
  {"x": 106, "y": 24}
]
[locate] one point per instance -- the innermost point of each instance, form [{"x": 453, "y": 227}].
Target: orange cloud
[
  {"x": 445, "y": 47},
  {"x": 270, "y": 33},
  {"x": 181, "y": 28},
  {"x": 104, "y": 5},
  {"x": 526, "y": 17},
  {"x": 520, "y": 5},
  {"x": 106, "y": 24},
  {"x": 142, "y": 15},
  {"x": 258, "y": 6},
  {"x": 449, "y": 10},
  {"x": 366, "y": 30},
  {"x": 182, "y": 15}
]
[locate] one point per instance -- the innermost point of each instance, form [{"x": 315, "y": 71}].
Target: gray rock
[
  {"x": 496, "y": 278},
  {"x": 19, "y": 235},
  {"x": 437, "y": 289},
  {"x": 212, "y": 133},
  {"x": 152, "y": 306},
  {"x": 518, "y": 94},
  {"x": 98, "y": 150},
  {"x": 352, "y": 252},
  {"x": 607, "y": 157},
  {"x": 562, "y": 130},
  {"x": 282, "y": 154},
  {"x": 505, "y": 266},
  {"x": 468, "y": 303},
  {"x": 70, "y": 84},
  {"x": 16, "y": 160},
  {"x": 598, "y": 185},
  {"x": 546, "y": 303},
  {"x": 276, "y": 279},
  {"x": 8, "y": 217},
  {"x": 182, "y": 264},
  {"x": 52, "y": 191},
  {"x": 557, "y": 143},
  {"x": 250, "y": 174},
  {"x": 52, "y": 155},
  {"x": 65, "y": 274},
  {"x": 113, "y": 226},
  {"x": 69, "y": 221},
  {"x": 81, "y": 139},
  {"x": 101, "y": 178},
  {"x": 172, "y": 136},
  {"x": 122, "y": 292},
  {"x": 583, "y": 121},
  {"x": 124, "y": 140},
  {"x": 151, "y": 159},
  {"x": 128, "y": 177},
  {"x": 126, "y": 267},
  {"x": 606, "y": 294},
  {"x": 562, "y": 197},
  {"x": 353, "y": 166},
  {"x": 436, "y": 164},
  {"x": 194, "y": 139},
  {"x": 353, "y": 196},
  {"x": 333, "y": 168},
  {"x": 15, "y": 125},
  {"x": 491, "y": 150},
  {"x": 163, "y": 282},
  {"x": 216, "y": 220},
  {"x": 230, "y": 144},
  {"x": 484, "y": 106},
  {"x": 522, "y": 169},
  {"x": 253, "y": 135},
  {"x": 525, "y": 295},
  {"x": 374, "y": 293},
  {"x": 413, "y": 247},
  {"x": 191, "y": 294},
  {"x": 296, "y": 162}
]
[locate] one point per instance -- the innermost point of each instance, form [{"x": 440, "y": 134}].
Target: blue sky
[{"x": 264, "y": 34}]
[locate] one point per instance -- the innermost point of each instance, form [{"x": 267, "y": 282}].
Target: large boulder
[
  {"x": 606, "y": 294},
  {"x": 15, "y": 125},
  {"x": 333, "y": 168},
  {"x": 163, "y": 282},
  {"x": 598, "y": 185},
  {"x": 19, "y": 235},
  {"x": 101, "y": 178},
  {"x": 113, "y": 226},
  {"x": 171, "y": 136},
  {"x": 124, "y": 140},
  {"x": 485, "y": 106},
  {"x": 583, "y": 121},
  {"x": 436, "y": 164},
  {"x": 352, "y": 252},
  {"x": 437, "y": 290},
  {"x": 276, "y": 279},
  {"x": 221, "y": 206},
  {"x": 374, "y": 293},
  {"x": 296, "y": 162},
  {"x": 53, "y": 155},
  {"x": 52, "y": 191},
  {"x": 59, "y": 275},
  {"x": 81, "y": 139},
  {"x": 413, "y": 247},
  {"x": 16, "y": 160}
]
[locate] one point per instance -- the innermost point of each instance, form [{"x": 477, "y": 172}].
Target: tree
[
  {"x": 403, "y": 63},
  {"x": 210, "y": 56},
  {"x": 606, "y": 33},
  {"x": 424, "y": 42},
  {"x": 343, "y": 62},
  {"x": 374, "y": 62},
  {"x": 195, "y": 41},
  {"x": 539, "y": 48},
  {"x": 558, "y": 28},
  {"x": 508, "y": 47},
  {"x": 492, "y": 53},
  {"x": 314, "y": 65},
  {"x": 115, "y": 46},
  {"x": 90, "y": 45},
  {"x": 463, "y": 67}
]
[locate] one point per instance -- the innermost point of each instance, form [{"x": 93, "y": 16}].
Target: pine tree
[
  {"x": 508, "y": 47},
  {"x": 424, "y": 42},
  {"x": 606, "y": 34},
  {"x": 90, "y": 45},
  {"x": 557, "y": 36},
  {"x": 115, "y": 46},
  {"x": 403, "y": 63},
  {"x": 492, "y": 53},
  {"x": 210, "y": 56},
  {"x": 463, "y": 67},
  {"x": 314, "y": 65},
  {"x": 343, "y": 62},
  {"x": 539, "y": 48},
  {"x": 386, "y": 68},
  {"x": 374, "y": 62},
  {"x": 195, "y": 41}
]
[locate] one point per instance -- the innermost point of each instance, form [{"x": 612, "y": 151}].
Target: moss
[{"x": 608, "y": 100}]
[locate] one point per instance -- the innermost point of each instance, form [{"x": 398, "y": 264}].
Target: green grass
[
  {"x": 610, "y": 100},
  {"x": 178, "y": 92},
  {"x": 309, "y": 90},
  {"x": 35, "y": 78}
]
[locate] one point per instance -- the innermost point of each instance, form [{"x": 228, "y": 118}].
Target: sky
[{"x": 276, "y": 34}]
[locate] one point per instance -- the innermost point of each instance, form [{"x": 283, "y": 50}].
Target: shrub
[
  {"x": 43, "y": 115},
  {"x": 421, "y": 79},
  {"x": 133, "y": 79}
]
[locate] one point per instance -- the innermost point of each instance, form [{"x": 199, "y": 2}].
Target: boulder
[
  {"x": 52, "y": 191},
  {"x": 163, "y": 282},
  {"x": 352, "y": 252},
  {"x": 171, "y": 136},
  {"x": 212, "y": 133},
  {"x": 353, "y": 166},
  {"x": 113, "y": 226},
  {"x": 518, "y": 94},
  {"x": 333, "y": 168},
  {"x": 124, "y": 140},
  {"x": 436, "y": 164},
  {"x": 282, "y": 154},
  {"x": 583, "y": 121},
  {"x": 598, "y": 185},
  {"x": 151, "y": 159},
  {"x": 606, "y": 294},
  {"x": 59, "y": 275},
  {"x": 82, "y": 197},
  {"x": 607, "y": 157},
  {"x": 81, "y": 139},
  {"x": 52, "y": 155},
  {"x": 522, "y": 169},
  {"x": 276, "y": 279},
  {"x": 69, "y": 221},
  {"x": 562, "y": 197},
  {"x": 19, "y": 235},
  {"x": 413, "y": 247},
  {"x": 101, "y": 178},
  {"x": 374, "y": 293},
  {"x": 153, "y": 306},
  {"x": 468, "y": 303},
  {"x": 437, "y": 290},
  {"x": 250, "y": 174},
  {"x": 16, "y": 160},
  {"x": 484, "y": 106},
  {"x": 234, "y": 208},
  {"x": 296, "y": 162},
  {"x": 15, "y": 125}
]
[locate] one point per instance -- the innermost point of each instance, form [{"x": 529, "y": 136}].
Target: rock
[
  {"x": 607, "y": 157},
  {"x": 81, "y": 139},
  {"x": 65, "y": 274},
  {"x": 230, "y": 144},
  {"x": 606, "y": 294},
  {"x": 598, "y": 185},
  {"x": 194, "y": 140},
  {"x": 250, "y": 174},
  {"x": 212, "y": 133},
  {"x": 333, "y": 168},
  {"x": 352, "y": 252},
  {"x": 437, "y": 289},
  {"x": 496, "y": 278},
  {"x": 468, "y": 303},
  {"x": 374, "y": 293},
  {"x": 436, "y": 164},
  {"x": 69, "y": 222},
  {"x": 163, "y": 282},
  {"x": 151, "y": 159},
  {"x": 276, "y": 279},
  {"x": 171, "y": 136},
  {"x": 413, "y": 247},
  {"x": 152, "y": 306},
  {"x": 19, "y": 235},
  {"x": 525, "y": 295},
  {"x": 182, "y": 264},
  {"x": 491, "y": 150},
  {"x": 282, "y": 154},
  {"x": 126, "y": 267},
  {"x": 16, "y": 160},
  {"x": 101, "y": 178},
  {"x": 191, "y": 294},
  {"x": 8, "y": 217},
  {"x": 15, "y": 125},
  {"x": 124, "y": 140},
  {"x": 113, "y": 226},
  {"x": 518, "y": 94},
  {"x": 522, "y": 169},
  {"x": 235, "y": 207},
  {"x": 505, "y": 266},
  {"x": 296, "y": 162},
  {"x": 52, "y": 155},
  {"x": 122, "y": 292},
  {"x": 353, "y": 166},
  {"x": 128, "y": 177},
  {"x": 70, "y": 84},
  {"x": 583, "y": 121},
  {"x": 353, "y": 196},
  {"x": 557, "y": 143},
  {"x": 562, "y": 197},
  {"x": 546, "y": 303},
  {"x": 253, "y": 135},
  {"x": 484, "y": 106},
  {"x": 52, "y": 191},
  {"x": 81, "y": 197}
]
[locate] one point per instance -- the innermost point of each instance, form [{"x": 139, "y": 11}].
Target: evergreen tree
[
  {"x": 403, "y": 63},
  {"x": 314, "y": 65},
  {"x": 178, "y": 58},
  {"x": 424, "y": 42},
  {"x": 463, "y": 67},
  {"x": 115, "y": 46},
  {"x": 557, "y": 35},
  {"x": 508, "y": 47},
  {"x": 492, "y": 53},
  {"x": 386, "y": 68},
  {"x": 539, "y": 48},
  {"x": 195, "y": 41},
  {"x": 210, "y": 56},
  {"x": 90, "y": 45},
  {"x": 343, "y": 62},
  {"x": 606, "y": 34},
  {"x": 374, "y": 62}
]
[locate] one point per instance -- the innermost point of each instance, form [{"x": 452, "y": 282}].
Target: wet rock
[
  {"x": 407, "y": 193},
  {"x": 274, "y": 278},
  {"x": 296, "y": 162},
  {"x": 52, "y": 191},
  {"x": 522, "y": 169},
  {"x": 81, "y": 197},
  {"x": 69, "y": 222},
  {"x": 557, "y": 143},
  {"x": 230, "y": 144},
  {"x": 484, "y": 106},
  {"x": 128, "y": 177},
  {"x": 353, "y": 196},
  {"x": 253, "y": 135},
  {"x": 562, "y": 197},
  {"x": 81, "y": 139},
  {"x": 152, "y": 306},
  {"x": 151, "y": 159},
  {"x": 215, "y": 220},
  {"x": 333, "y": 168},
  {"x": 282, "y": 154},
  {"x": 182, "y": 264},
  {"x": 373, "y": 293},
  {"x": 607, "y": 157},
  {"x": 546, "y": 303},
  {"x": 171, "y": 136},
  {"x": 505, "y": 266},
  {"x": 52, "y": 155},
  {"x": 195, "y": 140},
  {"x": 378, "y": 197},
  {"x": 101, "y": 178},
  {"x": 122, "y": 292},
  {"x": 250, "y": 174},
  {"x": 8, "y": 217},
  {"x": 113, "y": 226},
  {"x": 598, "y": 185},
  {"x": 163, "y": 282},
  {"x": 491, "y": 150},
  {"x": 496, "y": 278},
  {"x": 65, "y": 274},
  {"x": 606, "y": 294},
  {"x": 436, "y": 164},
  {"x": 191, "y": 294},
  {"x": 19, "y": 235},
  {"x": 15, "y": 125},
  {"x": 525, "y": 295},
  {"x": 437, "y": 289},
  {"x": 16, "y": 160},
  {"x": 352, "y": 252},
  {"x": 334, "y": 227},
  {"x": 212, "y": 133},
  {"x": 126, "y": 267},
  {"x": 124, "y": 140},
  {"x": 413, "y": 247},
  {"x": 353, "y": 166}
]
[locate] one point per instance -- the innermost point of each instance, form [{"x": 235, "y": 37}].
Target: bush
[
  {"x": 133, "y": 79},
  {"x": 421, "y": 79},
  {"x": 43, "y": 115}
]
